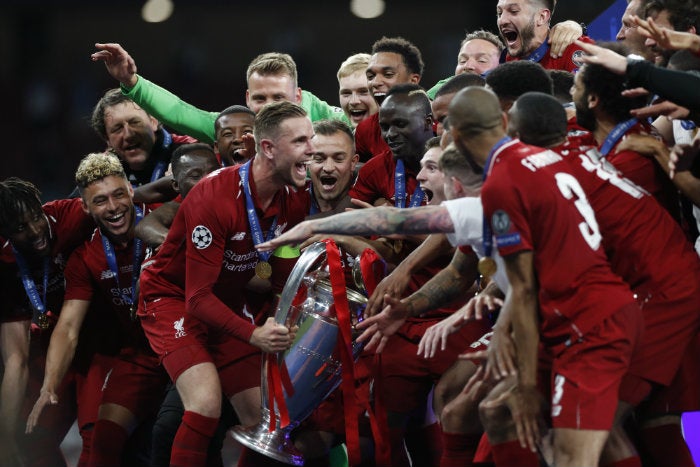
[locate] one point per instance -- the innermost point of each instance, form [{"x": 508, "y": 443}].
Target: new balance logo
[
  {"x": 179, "y": 326},
  {"x": 106, "y": 275},
  {"x": 238, "y": 236}
]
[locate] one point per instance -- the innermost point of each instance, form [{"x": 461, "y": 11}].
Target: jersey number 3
[{"x": 571, "y": 189}]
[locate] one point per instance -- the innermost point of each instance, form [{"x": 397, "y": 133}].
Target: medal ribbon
[
  {"x": 535, "y": 56},
  {"x": 114, "y": 267},
  {"x": 38, "y": 303},
  {"x": 159, "y": 169},
  {"x": 369, "y": 260},
  {"x": 278, "y": 378},
  {"x": 615, "y": 135},
  {"x": 255, "y": 229},
  {"x": 344, "y": 346},
  {"x": 313, "y": 209},
  {"x": 400, "y": 188},
  {"x": 487, "y": 235}
]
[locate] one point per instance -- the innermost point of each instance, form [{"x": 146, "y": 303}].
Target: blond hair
[
  {"x": 96, "y": 166},
  {"x": 353, "y": 64},
  {"x": 275, "y": 64}
]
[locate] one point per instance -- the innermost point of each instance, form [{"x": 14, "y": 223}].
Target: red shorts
[
  {"x": 586, "y": 376},
  {"x": 182, "y": 341},
  {"x": 683, "y": 394},
  {"x": 136, "y": 381},
  {"x": 408, "y": 378},
  {"x": 670, "y": 324}
]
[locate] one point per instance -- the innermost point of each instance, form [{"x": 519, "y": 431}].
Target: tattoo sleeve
[{"x": 447, "y": 285}]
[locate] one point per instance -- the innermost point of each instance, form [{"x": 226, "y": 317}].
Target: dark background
[{"x": 48, "y": 84}]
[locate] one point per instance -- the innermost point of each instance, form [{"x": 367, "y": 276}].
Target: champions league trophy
[{"x": 296, "y": 381}]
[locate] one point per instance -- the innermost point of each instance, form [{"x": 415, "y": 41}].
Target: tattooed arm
[
  {"x": 448, "y": 285},
  {"x": 373, "y": 221}
]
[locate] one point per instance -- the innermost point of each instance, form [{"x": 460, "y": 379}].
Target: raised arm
[
  {"x": 371, "y": 221},
  {"x": 158, "y": 102},
  {"x": 562, "y": 35},
  {"x": 447, "y": 286}
]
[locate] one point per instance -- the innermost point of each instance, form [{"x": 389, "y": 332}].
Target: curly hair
[
  {"x": 608, "y": 86},
  {"x": 96, "y": 166},
  {"x": 411, "y": 55},
  {"x": 17, "y": 197}
]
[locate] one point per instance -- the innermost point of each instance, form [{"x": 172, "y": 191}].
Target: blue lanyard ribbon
[
  {"x": 255, "y": 229},
  {"x": 615, "y": 135},
  {"x": 159, "y": 169},
  {"x": 38, "y": 303},
  {"x": 114, "y": 267},
  {"x": 535, "y": 56},
  {"x": 539, "y": 53},
  {"x": 400, "y": 188},
  {"x": 487, "y": 235},
  {"x": 313, "y": 209}
]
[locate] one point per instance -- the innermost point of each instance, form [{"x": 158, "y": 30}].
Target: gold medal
[
  {"x": 263, "y": 270},
  {"x": 43, "y": 321},
  {"x": 487, "y": 266}
]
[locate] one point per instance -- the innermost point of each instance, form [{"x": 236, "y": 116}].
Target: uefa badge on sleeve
[{"x": 201, "y": 237}]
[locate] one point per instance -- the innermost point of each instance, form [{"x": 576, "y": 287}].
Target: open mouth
[
  {"x": 117, "y": 220},
  {"x": 379, "y": 97},
  {"x": 510, "y": 36},
  {"x": 328, "y": 182},
  {"x": 300, "y": 168},
  {"x": 40, "y": 244},
  {"x": 358, "y": 115},
  {"x": 428, "y": 193}
]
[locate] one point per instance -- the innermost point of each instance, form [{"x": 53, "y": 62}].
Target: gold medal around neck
[
  {"x": 263, "y": 270},
  {"x": 487, "y": 266},
  {"x": 42, "y": 321}
]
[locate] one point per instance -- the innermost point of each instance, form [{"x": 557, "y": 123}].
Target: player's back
[{"x": 535, "y": 203}]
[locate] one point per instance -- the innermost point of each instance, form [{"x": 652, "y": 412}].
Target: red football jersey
[
  {"x": 89, "y": 277},
  {"x": 376, "y": 180},
  {"x": 534, "y": 203},
  {"x": 633, "y": 225},
  {"x": 368, "y": 138},
  {"x": 570, "y": 60},
  {"x": 210, "y": 239},
  {"x": 645, "y": 171},
  {"x": 69, "y": 227}
]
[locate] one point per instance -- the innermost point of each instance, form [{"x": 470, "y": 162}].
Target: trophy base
[{"x": 275, "y": 445}]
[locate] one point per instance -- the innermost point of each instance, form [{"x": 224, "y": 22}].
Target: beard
[
  {"x": 585, "y": 118},
  {"x": 526, "y": 37}
]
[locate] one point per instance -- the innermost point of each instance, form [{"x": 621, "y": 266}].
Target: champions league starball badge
[{"x": 201, "y": 237}]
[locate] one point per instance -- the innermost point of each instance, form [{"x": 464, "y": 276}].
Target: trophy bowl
[{"x": 312, "y": 362}]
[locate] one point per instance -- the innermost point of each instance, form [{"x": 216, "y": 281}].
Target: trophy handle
[{"x": 302, "y": 266}]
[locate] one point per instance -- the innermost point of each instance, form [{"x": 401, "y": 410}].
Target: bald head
[{"x": 474, "y": 110}]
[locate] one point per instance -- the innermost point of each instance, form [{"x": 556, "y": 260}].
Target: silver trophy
[{"x": 311, "y": 362}]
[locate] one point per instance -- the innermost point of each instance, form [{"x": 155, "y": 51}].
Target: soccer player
[{"x": 209, "y": 325}]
